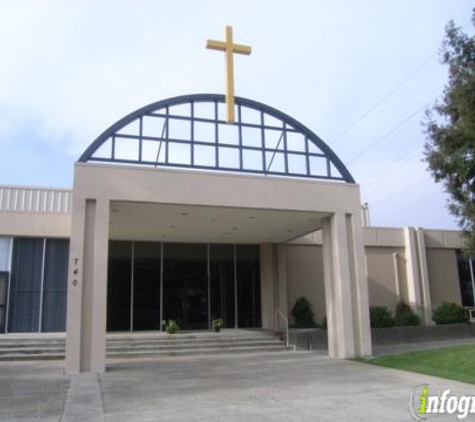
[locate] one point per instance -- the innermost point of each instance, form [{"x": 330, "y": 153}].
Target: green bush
[
  {"x": 303, "y": 314},
  {"x": 380, "y": 317},
  {"x": 218, "y": 323},
  {"x": 172, "y": 326},
  {"x": 449, "y": 313},
  {"x": 405, "y": 316}
]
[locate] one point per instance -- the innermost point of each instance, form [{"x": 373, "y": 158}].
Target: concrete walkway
[{"x": 287, "y": 386}]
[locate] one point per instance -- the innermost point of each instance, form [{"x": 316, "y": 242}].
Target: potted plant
[
  {"x": 172, "y": 326},
  {"x": 218, "y": 324}
]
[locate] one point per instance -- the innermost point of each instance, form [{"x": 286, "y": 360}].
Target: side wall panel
[
  {"x": 443, "y": 276},
  {"x": 383, "y": 282},
  {"x": 305, "y": 277}
]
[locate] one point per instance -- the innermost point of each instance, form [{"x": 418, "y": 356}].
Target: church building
[{"x": 210, "y": 206}]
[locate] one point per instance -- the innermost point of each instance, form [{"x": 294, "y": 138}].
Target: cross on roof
[{"x": 229, "y": 48}]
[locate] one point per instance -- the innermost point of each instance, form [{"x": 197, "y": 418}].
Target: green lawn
[{"x": 455, "y": 363}]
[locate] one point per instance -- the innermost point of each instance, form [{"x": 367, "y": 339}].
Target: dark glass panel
[
  {"x": 146, "y": 286},
  {"x": 185, "y": 284},
  {"x": 222, "y": 284},
  {"x": 25, "y": 289},
  {"x": 248, "y": 286},
  {"x": 119, "y": 286},
  {"x": 55, "y": 285},
  {"x": 3, "y": 299},
  {"x": 466, "y": 286}
]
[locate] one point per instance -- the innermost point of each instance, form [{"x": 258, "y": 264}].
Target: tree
[{"x": 450, "y": 129}]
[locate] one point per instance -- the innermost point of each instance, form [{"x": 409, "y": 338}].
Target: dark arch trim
[{"x": 244, "y": 102}]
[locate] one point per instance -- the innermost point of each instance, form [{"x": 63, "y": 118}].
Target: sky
[{"x": 357, "y": 73}]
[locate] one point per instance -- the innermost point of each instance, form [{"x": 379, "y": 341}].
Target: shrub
[
  {"x": 380, "y": 317},
  {"x": 172, "y": 326},
  {"x": 303, "y": 314},
  {"x": 449, "y": 313},
  {"x": 218, "y": 323},
  {"x": 405, "y": 316}
]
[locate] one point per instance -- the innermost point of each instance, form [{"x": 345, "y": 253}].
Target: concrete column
[
  {"x": 346, "y": 287},
  {"x": 424, "y": 275},
  {"x": 268, "y": 291},
  {"x": 281, "y": 267},
  {"x": 360, "y": 282},
  {"x": 328, "y": 276},
  {"x": 413, "y": 285},
  {"x": 87, "y": 288}
]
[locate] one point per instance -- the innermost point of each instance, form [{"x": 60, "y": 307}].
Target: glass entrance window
[
  {"x": 119, "y": 286},
  {"x": 248, "y": 286},
  {"x": 223, "y": 286},
  {"x": 193, "y": 283},
  {"x": 146, "y": 286},
  {"x": 185, "y": 284}
]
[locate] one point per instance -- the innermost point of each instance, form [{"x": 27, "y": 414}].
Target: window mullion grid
[
  {"x": 113, "y": 148},
  {"x": 307, "y": 157},
  {"x": 166, "y": 134},
  {"x": 263, "y": 143},
  {"x": 241, "y": 166},
  {"x": 328, "y": 168},
  {"x": 286, "y": 157},
  {"x": 140, "y": 138},
  {"x": 132, "y": 256},
  {"x": 208, "y": 270},
  {"x": 42, "y": 286},
  {"x": 192, "y": 132},
  {"x": 216, "y": 134},
  {"x": 161, "y": 286}
]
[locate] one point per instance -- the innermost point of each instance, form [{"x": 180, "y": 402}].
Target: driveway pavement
[{"x": 285, "y": 386}]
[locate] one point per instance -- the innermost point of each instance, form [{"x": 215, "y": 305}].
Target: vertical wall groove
[{"x": 88, "y": 261}]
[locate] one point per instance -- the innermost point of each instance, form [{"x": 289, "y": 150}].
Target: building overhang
[
  {"x": 206, "y": 224},
  {"x": 174, "y": 205}
]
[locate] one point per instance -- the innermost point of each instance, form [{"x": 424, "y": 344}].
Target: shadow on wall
[{"x": 387, "y": 281}]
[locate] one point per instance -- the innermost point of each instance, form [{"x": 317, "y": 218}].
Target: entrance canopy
[
  {"x": 204, "y": 224},
  {"x": 191, "y": 132},
  {"x": 127, "y": 188}
]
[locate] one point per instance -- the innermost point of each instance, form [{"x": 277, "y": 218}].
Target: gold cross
[{"x": 229, "y": 48}]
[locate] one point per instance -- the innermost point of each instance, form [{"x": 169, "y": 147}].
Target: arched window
[{"x": 191, "y": 132}]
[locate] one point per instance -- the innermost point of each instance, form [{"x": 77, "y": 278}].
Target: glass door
[{"x": 185, "y": 284}]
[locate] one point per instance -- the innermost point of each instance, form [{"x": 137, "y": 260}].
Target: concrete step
[
  {"x": 192, "y": 346},
  {"x": 19, "y": 344},
  {"x": 179, "y": 342},
  {"x": 208, "y": 351},
  {"x": 13, "y": 357},
  {"x": 149, "y": 344},
  {"x": 31, "y": 351}
]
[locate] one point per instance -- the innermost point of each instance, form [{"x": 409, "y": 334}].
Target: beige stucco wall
[
  {"x": 305, "y": 277},
  {"x": 443, "y": 276},
  {"x": 35, "y": 225},
  {"x": 386, "y": 287}
]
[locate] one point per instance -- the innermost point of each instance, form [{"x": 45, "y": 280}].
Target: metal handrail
[
  {"x": 278, "y": 313},
  {"x": 471, "y": 313}
]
